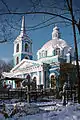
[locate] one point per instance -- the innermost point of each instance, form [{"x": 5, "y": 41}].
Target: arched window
[
  {"x": 53, "y": 52},
  {"x": 17, "y": 48},
  {"x": 26, "y": 47},
  {"x": 45, "y": 53},
  {"x": 39, "y": 55},
  {"x": 57, "y": 51},
  {"x": 17, "y": 60}
]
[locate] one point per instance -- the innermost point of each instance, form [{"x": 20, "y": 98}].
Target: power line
[
  {"x": 5, "y": 5},
  {"x": 34, "y": 25}
]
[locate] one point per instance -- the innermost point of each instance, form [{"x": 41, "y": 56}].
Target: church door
[
  {"x": 53, "y": 82},
  {"x": 18, "y": 84}
]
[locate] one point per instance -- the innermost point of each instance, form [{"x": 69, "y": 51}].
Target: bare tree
[{"x": 5, "y": 67}]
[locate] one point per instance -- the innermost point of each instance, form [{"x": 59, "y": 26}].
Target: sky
[{"x": 39, "y": 33}]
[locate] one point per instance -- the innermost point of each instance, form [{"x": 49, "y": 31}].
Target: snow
[{"x": 40, "y": 111}]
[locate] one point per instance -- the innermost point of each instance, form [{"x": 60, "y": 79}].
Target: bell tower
[{"x": 22, "y": 45}]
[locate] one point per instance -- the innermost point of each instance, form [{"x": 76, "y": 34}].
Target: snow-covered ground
[{"x": 40, "y": 111}]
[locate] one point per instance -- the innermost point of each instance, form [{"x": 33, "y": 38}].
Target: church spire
[{"x": 23, "y": 25}]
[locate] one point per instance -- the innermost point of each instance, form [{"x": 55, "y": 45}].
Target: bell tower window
[
  {"x": 17, "y": 60},
  {"x": 17, "y": 48},
  {"x": 26, "y": 48}
]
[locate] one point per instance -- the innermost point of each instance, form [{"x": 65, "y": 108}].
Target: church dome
[
  {"x": 56, "y": 46},
  {"x": 56, "y": 41}
]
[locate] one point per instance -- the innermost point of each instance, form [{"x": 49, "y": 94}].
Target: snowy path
[
  {"x": 71, "y": 112},
  {"x": 54, "y": 112}
]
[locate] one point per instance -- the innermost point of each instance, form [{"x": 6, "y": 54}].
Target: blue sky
[{"x": 39, "y": 36}]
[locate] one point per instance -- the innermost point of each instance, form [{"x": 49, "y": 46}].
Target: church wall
[
  {"x": 38, "y": 75},
  {"x": 45, "y": 53},
  {"x": 46, "y": 79},
  {"x": 15, "y": 57},
  {"x": 20, "y": 47},
  {"x": 42, "y": 78},
  {"x": 33, "y": 73},
  {"x": 55, "y": 70},
  {"x": 50, "y": 52}
]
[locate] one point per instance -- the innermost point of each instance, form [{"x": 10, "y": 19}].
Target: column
[
  {"x": 13, "y": 84},
  {"x": 42, "y": 78},
  {"x": 49, "y": 81},
  {"x": 37, "y": 79}
]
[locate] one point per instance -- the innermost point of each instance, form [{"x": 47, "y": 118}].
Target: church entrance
[
  {"x": 53, "y": 81},
  {"x": 18, "y": 84}
]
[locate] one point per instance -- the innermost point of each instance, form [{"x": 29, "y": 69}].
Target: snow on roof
[
  {"x": 25, "y": 63},
  {"x": 6, "y": 74},
  {"x": 55, "y": 41}
]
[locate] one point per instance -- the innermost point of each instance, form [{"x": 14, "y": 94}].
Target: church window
[
  {"x": 17, "y": 48},
  {"x": 57, "y": 51},
  {"x": 42, "y": 53},
  {"x": 17, "y": 60},
  {"x": 26, "y": 48},
  {"x": 54, "y": 52},
  {"x": 45, "y": 53},
  {"x": 39, "y": 55}
]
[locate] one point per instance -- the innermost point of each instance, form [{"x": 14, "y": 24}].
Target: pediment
[{"x": 25, "y": 63}]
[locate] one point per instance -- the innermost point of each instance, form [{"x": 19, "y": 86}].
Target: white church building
[{"x": 46, "y": 69}]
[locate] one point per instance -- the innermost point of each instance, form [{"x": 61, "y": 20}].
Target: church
[{"x": 46, "y": 69}]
